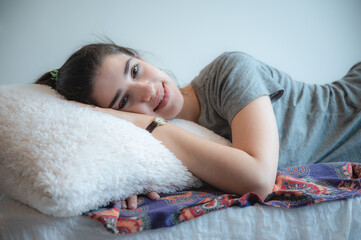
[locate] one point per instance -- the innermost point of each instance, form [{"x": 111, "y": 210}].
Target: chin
[
  {"x": 169, "y": 115},
  {"x": 174, "y": 107}
]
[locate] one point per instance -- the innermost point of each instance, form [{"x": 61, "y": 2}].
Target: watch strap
[
  {"x": 152, "y": 126},
  {"x": 157, "y": 121}
]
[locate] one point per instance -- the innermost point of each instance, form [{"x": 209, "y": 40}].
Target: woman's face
[{"x": 133, "y": 85}]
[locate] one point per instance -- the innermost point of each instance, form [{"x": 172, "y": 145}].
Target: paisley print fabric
[{"x": 294, "y": 187}]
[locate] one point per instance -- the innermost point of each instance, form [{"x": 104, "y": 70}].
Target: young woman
[{"x": 271, "y": 120}]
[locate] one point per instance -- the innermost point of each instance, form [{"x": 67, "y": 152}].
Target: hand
[{"x": 132, "y": 201}]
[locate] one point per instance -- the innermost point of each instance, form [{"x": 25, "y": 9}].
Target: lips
[{"x": 163, "y": 98}]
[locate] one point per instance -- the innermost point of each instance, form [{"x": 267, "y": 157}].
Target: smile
[{"x": 163, "y": 100}]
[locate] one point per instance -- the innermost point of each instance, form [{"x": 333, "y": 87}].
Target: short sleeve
[
  {"x": 235, "y": 79},
  {"x": 228, "y": 84}
]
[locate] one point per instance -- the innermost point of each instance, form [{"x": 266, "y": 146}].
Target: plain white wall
[{"x": 312, "y": 40}]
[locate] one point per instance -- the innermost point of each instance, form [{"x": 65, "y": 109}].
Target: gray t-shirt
[{"x": 316, "y": 123}]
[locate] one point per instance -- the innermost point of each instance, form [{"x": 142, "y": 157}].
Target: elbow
[
  {"x": 264, "y": 185},
  {"x": 260, "y": 184},
  {"x": 264, "y": 190},
  {"x": 265, "y": 178}
]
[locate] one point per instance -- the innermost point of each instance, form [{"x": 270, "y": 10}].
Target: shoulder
[
  {"x": 235, "y": 57},
  {"x": 226, "y": 65},
  {"x": 230, "y": 61}
]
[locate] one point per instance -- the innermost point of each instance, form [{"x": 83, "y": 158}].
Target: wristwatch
[{"x": 157, "y": 121}]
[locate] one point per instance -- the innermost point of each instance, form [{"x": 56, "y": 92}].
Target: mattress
[{"x": 338, "y": 219}]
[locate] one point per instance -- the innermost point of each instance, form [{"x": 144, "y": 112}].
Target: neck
[{"x": 190, "y": 109}]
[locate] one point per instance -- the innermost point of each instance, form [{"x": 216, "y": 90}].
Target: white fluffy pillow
[{"x": 64, "y": 159}]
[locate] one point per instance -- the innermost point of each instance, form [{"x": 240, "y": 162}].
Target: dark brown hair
[{"x": 75, "y": 77}]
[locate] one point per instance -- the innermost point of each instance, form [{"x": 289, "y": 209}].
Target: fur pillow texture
[{"x": 64, "y": 159}]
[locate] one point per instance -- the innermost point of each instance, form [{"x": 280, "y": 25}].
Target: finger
[
  {"x": 153, "y": 195},
  {"x": 124, "y": 204},
  {"x": 132, "y": 202}
]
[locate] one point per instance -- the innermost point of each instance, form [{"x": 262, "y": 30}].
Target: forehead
[
  {"x": 112, "y": 64},
  {"x": 109, "y": 78}
]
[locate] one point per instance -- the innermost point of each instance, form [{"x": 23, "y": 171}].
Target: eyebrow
[
  {"x": 117, "y": 95},
  {"x": 119, "y": 92},
  {"x": 126, "y": 69}
]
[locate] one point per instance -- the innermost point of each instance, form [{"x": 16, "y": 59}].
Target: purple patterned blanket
[{"x": 294, "y": 187}]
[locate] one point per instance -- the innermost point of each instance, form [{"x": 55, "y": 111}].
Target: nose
[{"x": 144, "y": 90}]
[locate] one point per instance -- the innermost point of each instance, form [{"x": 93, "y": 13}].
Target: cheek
[
  {"x": 173, "y": 92},
  {"x": 176, "y": 102}
]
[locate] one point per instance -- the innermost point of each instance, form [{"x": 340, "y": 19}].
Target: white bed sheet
[{"x": 339, "y": 219}]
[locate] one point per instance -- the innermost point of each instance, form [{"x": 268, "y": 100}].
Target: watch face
[{"x": 160, "y": 120}]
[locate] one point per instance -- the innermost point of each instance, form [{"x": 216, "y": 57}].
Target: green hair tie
[{"x": 54, "y": 74}]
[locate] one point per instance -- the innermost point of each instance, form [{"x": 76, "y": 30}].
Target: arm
[{"x": 250, "y": 165}]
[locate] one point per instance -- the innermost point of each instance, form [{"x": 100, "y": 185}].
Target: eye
[
  {"x": 123, "y": 101},
  {"x": 135, "y": 70}
]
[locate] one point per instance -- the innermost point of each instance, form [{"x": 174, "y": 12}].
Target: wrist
[
  {"x": 142, "y": 120},
  {"x": 156, "y": 122}
]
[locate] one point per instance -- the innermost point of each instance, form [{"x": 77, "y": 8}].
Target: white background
[{"x": 312, "y": 40}]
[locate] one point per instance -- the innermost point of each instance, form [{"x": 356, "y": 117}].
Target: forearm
[{"x": 227, "y": 168}]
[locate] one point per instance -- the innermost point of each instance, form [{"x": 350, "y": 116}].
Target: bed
[
  {"x": 326, "y": 206},
  {"x": 329, "y": 220}
]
